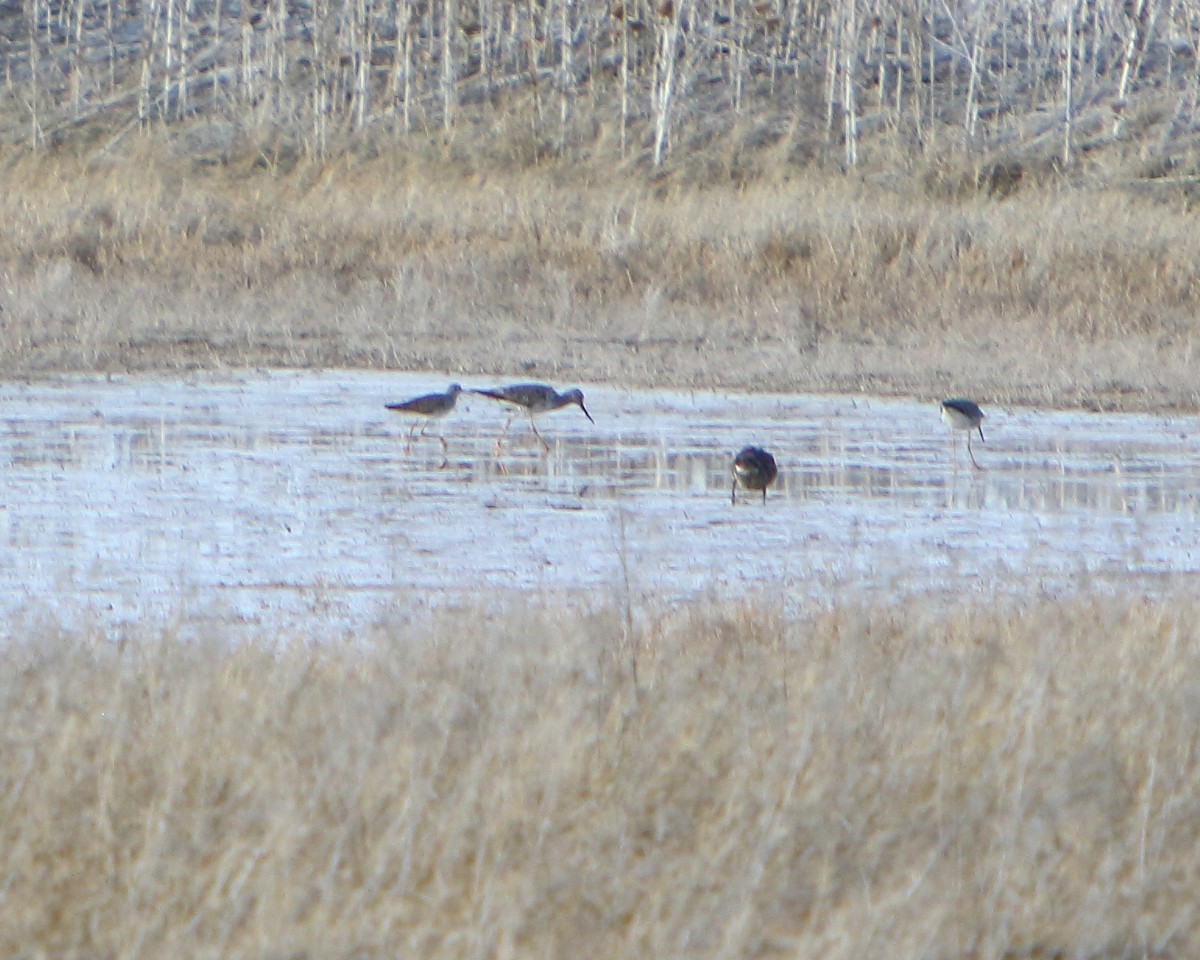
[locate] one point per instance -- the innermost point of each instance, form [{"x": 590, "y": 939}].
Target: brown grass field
[
  {"x": 1001, "y": 782},
  {"x": 1067, "y": 293}
]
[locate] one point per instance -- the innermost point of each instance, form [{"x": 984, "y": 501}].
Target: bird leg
[
  {"x": 545, "y": 445},
  {"x": 972, "y": 456},
  {"x": 500, "y": 439}
]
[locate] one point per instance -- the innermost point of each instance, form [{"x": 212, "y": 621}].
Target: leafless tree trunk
[
  {"x": 833, "y": 46},
  {"x": 625, "y": 26},
  {"x": 486, "y": 66},
  {"x": 361, "y": 42},
  {"x": 1069, "y": 86},
  {"x": 971, "y": 114},
  {"x": 320, "y": 94},
  {"x": 35, "y": 125},
  {"x": 279, "y": 64},
  {"x": 1140, "y": 27},
  {"x": 168, "y": 57},
  {"x": 566, "y": 72},
  {"x": 247, "y": 59},
  {"x": 449, "y": 101},
  {"x": 668, "y": 53},
  {"x": 849, "y": 58},
  {"x": 739, "y": 36},
  {"x": 409, "y": 27}
]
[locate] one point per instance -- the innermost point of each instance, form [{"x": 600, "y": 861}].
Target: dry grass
[
  {"x": 1058, "y": 294},
  {"x": 997, "y": 782}
]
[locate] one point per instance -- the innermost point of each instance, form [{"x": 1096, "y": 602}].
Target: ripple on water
[{"x": 283, "y": 501}]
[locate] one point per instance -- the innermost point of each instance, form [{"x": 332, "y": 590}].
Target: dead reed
[
  {"x": 1063, "y": 296},
  {"x": 1000, "y": 781}
]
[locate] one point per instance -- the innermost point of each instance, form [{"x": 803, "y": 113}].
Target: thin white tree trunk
[
  {"x": 1069, "y": 87},
  {"x": 320, "y": 95},
  {"x": 832, "y": 57},
  {"x": 448, "y": 94},
  {"x": 971, "y": 113},
  {"x": 182, "y": 83},
  {"x": 168, "y": 59},
  {"x": 214, "y": 25},
  {"x": 849, "y": 57},
  {"x": 35, "y": 126},
  {"x": 739, "y": 31},
  {"x": 931, "y": 112},
  {"x": 361, "y": 42},
  {"x": 1138, "y": 32},
  {"x": 409, "y": 27},
  {"x": 667, "y": 55},
  {"x": 486, "y": 66},
  {"x": 566, "y": 72},
  {"x": 625, "y": 28},
  {"x": 280, "y": 62},
  {"x": 247, "y": 56},
  {"x": 77, "y": 58}
]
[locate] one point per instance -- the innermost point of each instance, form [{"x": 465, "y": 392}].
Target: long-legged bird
[
  {"x": 428, "y": 407},
  {"x": 533, "y": 398},
  {"x": 962, "y": 414}
]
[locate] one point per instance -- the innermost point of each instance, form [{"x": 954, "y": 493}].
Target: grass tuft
[{"x": 999, "y": 781}]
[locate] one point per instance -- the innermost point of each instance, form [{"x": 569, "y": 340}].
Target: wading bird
[
  {"x": 428, "y": 407},
  {"x": 533, "y": 398},
  {"x": 962, "y": 414},
  {"x": 754, "y": 469}
]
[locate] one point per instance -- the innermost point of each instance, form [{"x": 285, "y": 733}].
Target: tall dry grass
[
  {"x": 1057, "y": 295},
  {"x": 1001, "y": 781}
]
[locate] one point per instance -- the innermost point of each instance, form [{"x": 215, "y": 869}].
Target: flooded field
[{"x": 288, "y": 502}]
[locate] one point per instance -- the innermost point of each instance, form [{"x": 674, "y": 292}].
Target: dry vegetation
[
  {"x": 194, "y": 185},
  {"x": 985, "y": 783},
  {"x": 917, "y": 198},
  {"x": 810, "y": 283}
]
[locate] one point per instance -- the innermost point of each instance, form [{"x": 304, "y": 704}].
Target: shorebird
[
  {"x": 428, "y": 407},
  {"x": 962, "y": 414},
  {"x": 533, "y": 398},
  {"x": 754, "y": 469}
]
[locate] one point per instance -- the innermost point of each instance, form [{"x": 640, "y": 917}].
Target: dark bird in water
[
  {"x": 962, "y": 414},
  {"x": 534, "y": 398},
  {"x": 754, "y": 469}
]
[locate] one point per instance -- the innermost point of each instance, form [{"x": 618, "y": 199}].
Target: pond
[{"x": 289, "y": 503}]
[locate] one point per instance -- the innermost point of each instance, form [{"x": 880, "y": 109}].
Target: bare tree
[
  {"x": 1141, "y": 15},
  {"x": 449, "y": 95},
  {"x": 848, "y": 57},
  {"x": 315, "y": 68},
  {"x": 669, "y": 33},
  {"x": 1068, "y": 84}
]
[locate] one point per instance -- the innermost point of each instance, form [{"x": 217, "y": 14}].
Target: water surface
[{"x": 288, "y": 502}]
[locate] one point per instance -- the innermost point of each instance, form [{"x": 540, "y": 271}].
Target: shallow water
[{"x": 287, "y": 502}]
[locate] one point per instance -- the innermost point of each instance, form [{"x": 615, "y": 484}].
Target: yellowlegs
[
  {"x": 754, "y": 469},
  {"x": 428, "y": 407},
  {"x": 962, "y": 414},
  {"x": 534, "y": 398}
]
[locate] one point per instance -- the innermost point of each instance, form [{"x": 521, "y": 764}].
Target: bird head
[{"x": 576, "y": 397}]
